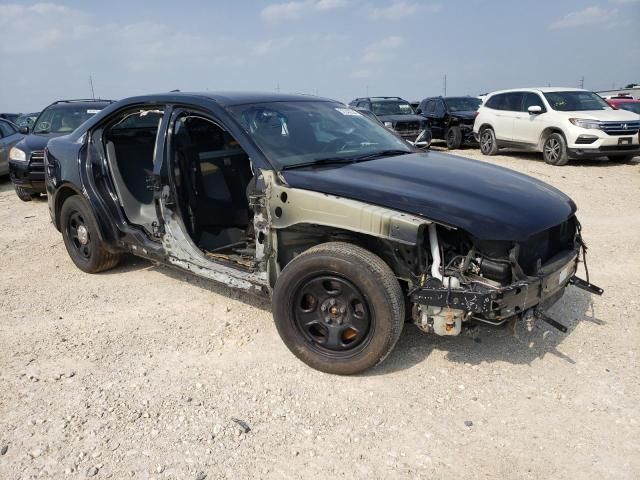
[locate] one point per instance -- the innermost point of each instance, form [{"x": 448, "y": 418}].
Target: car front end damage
[{"x": 495, "y": 282}]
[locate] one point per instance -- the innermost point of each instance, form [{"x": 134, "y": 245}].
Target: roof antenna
[{"x": 93, "y": 95}]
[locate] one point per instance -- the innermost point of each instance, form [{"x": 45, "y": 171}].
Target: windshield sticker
[
  {"x": 348, "y": 112},
  {"x": 92, "y": 112}
]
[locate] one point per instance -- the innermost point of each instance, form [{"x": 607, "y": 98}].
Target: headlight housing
[
  {"x": 586, "y": 123},
  {"x": 388, "y": 124},
  {"x": 17, "y": 155}
]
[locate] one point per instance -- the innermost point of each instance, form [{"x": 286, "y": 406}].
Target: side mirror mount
[
  {"x": 418, "y": 111},
  {"x": 534, "y": 110},
  {"x": 24, "y": 130}
]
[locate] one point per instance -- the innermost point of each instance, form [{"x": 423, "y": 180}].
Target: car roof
[
  {"x": 80, "y": 103},
  {"x": 227, "y": 99},
  {"x": 540, "y": 90}
]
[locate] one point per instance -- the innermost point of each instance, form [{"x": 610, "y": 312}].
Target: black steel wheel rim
[
  {"x": 486, "y": 141},
  {"x": 78, "y": 232},
  {"x": 332, "y": 315},
  {"x": 552, "y": 149}
]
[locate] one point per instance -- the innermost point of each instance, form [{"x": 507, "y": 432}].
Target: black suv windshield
[
  {"x": 391, "y": 107},
  {"x": 301, "y": 133},
  {"x": 64, "y": 118},
  {"x": 463, "y": 104},
  {"x": 575, "y": 101}
]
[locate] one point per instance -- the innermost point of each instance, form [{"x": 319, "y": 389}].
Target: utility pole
[
  {"x": 367, "y": 90},
  {"x": 93, "y": 95},
  {"x": 278, "y": 87},
  {"x": 445, "y": 84},
  {"x": 582, "y": 82}
]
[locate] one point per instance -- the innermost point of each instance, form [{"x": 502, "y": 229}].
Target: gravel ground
[{"x": 140, "y": 371}]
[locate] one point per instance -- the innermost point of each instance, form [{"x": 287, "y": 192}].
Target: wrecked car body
[{"x": 349, "y": 230}]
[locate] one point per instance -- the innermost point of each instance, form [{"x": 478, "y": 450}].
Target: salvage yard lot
[{"x": 139, "y": 371}]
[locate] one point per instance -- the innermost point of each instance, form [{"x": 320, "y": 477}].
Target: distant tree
[{"x": 632, "y": 85}]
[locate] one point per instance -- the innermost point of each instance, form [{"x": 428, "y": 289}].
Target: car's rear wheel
[
  {"x": 24, "y": 194},
  {"x": 453, "y": 138},
  {"x": 339, "y": 308},
  {"x": 81, "y": 238},
  {"x": 488, "y": 144},
  {"x": 554, "y": 150},
  {"x": 621, "y": 158}
]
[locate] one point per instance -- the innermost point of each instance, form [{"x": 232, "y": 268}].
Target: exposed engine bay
[{"x": 493, "y": 282}]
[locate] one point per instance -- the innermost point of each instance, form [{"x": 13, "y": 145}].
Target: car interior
[
  {"x": 212, "y": 176},
  {"x": 130, "y": 145}
]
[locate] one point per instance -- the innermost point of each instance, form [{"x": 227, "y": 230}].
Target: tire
[
  {"x": 81, "y": 238},
  {"x": 24, "y": 194},
  {"x": 356, "y": 332},
  {"x": 554, "y": 150},
  {"x": 488, "y": 144},
  {"x": 621, "y": 158},
  {"x": 453, "y": 138}
]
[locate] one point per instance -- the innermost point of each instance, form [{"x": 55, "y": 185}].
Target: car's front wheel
[
  {"x": 81, "y": 238},
  {"x": 554, "y": 150},
  {"x": 488, "y": 144},
  {"x": 339, "y": 308},
  {"x": 24, "y": 194},
  {"x": 454, "y": 138}
]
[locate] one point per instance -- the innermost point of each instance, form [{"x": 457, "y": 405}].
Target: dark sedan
[
  {"x": 9, "y": 136},
  {"x": 348, "y": 228}
]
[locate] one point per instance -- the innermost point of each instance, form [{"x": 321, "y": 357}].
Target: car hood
[
  {"x": 401, "y": 118},
  {"x": 32, "y": 143},
  {"x": 489, "y": 202},
  {"x": 603, "y": 115}
]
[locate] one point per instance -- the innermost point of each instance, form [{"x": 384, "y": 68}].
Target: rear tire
[
  {"x": 621, "y": 158},
  {"x": 488, "y": 144},
  {"x": 554, "y": 150},
  {"x": 81, "y": 237},
  {"x": 339, "y": 308},
  {"x": 24, "y": 194},
  {"x": 454, "y": 138}
]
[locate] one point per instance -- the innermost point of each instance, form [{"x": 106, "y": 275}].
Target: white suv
[{"x": 562, "y": 123}]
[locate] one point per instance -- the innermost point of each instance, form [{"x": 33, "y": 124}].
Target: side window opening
[
  {"x": 130, "y": 146},
  {"x": 212, "y": 175}
]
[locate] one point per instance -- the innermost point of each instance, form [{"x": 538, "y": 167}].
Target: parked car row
[{"x": 561, "y": 123}]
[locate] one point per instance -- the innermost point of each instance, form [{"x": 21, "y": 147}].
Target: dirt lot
[{"x": 138, "y": 372}]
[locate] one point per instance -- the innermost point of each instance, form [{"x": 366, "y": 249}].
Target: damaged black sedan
[{"x": 349, "y": 230}]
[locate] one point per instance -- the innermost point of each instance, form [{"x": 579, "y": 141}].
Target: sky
[{"x": 340, "y": 49}]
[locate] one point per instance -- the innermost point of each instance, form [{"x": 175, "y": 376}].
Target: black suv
[
  {"x": 450, "y": 118},
  {"x": 26, "y": 159},
  {"x": 340, "y": 221},
  {"x": 396, "y": 114}
]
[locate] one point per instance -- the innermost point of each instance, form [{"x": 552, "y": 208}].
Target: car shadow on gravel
[{"x": 484, "y": 344}]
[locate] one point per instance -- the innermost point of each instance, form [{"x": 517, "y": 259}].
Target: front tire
[
  {"x": 339, "y": 308},
  {"x": 81, "y": 238},
  {"x": 454, "y": 138},
  {"x": 554, "y": 150},
  {"x": 24, "y": 194},
  {"x": 488, "y": 144}
]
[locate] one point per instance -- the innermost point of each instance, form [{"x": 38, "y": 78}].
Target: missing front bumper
[{"x": 495, "y": 305}]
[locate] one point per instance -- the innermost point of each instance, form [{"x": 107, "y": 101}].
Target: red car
[{"x": 625, "y": 102}]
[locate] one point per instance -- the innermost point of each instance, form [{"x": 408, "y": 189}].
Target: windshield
[
  {"x": 631, "y": 106},
  {"x": 463, "y": 104},
  {"x": 64, "y": 119},
  {"x": 391, "y": 107},
  {"x": 296, "y": 133},
  {"x": 576, "y": 101}
]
